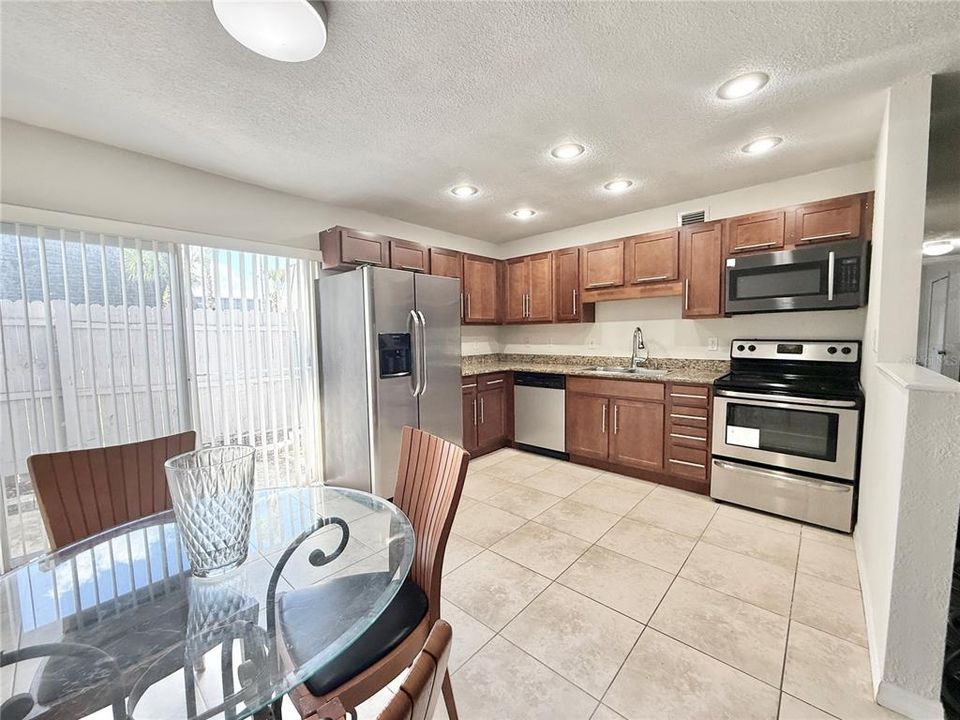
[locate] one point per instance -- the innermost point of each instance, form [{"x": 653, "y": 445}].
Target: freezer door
[{"x": 438, "y": 305}]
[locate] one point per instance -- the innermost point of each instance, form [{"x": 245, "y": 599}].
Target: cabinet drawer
[
  {"x": 687, "y": 462},
  {"x": 469, "y": 382},
  {"x": 689, "y": 396},
  {"x": 630, "y": 389},
  {"x": 691, "y": 437},
  {"x": 491, "y": 380},
  {"x": 690, "y": 416}
]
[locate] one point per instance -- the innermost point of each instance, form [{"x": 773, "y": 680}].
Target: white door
[{"x": 937, "y": 328}]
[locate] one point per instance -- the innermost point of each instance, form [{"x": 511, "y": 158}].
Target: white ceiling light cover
[
  {"x": 285, "y": 30},
  {"x": 742, "y": 85}
]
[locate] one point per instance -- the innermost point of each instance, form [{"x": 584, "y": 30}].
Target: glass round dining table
[{"x": 115, "y": 626}]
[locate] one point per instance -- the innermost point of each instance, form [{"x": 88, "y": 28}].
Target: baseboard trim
[
  {"x": 907, "y": 703},
  {"x": 876, "y": 663}
]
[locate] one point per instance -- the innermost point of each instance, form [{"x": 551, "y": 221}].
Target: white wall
[
  {"x": 665, "y": 332},
  {"x": 910, "y": 474},
  {"x": 47, "y": 170}
]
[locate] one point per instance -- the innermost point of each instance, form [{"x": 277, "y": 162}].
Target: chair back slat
[
  {"x": 417, "y": 697},
  {"x": 83, "y": 492},
  {"x": 430, "y": 481}
]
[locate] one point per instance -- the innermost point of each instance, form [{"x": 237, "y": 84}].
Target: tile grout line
[{"x": 786, "y": 643}]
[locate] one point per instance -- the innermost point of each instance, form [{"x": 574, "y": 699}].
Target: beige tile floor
[{"x": 584, "y": 595}]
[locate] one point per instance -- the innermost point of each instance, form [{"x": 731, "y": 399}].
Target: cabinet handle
[
  {"x": 603, "y": 419},
  {"x": 474, "y": 413},
  {"x": 688, "y": 437},
  {"x": 467, "y": 316},
  {"x": 754, "y": 246},
  {"x": 616, "y": 419},
  {"x": 481, "y": 411},
  {"x": 603, "y": 284},
  {"x": 461, "y": 306},
  {"x": 574, "y": 302},
  {"x": 413, "y": 268},
  {"x": 684, "y": 462},
  {"x": 686, "y": 395},
  {"x": 651, "y": 278},
  {"x": 526, "y": 305},
  {"x": 688, "y": 417},
  {"x": 828, "y": 236},
  {"x": 470, "y": 385},
  {"x": 686, "y": 293},
  {"x": 358, "y": 261},
  {"x": 494, "y": 382}
]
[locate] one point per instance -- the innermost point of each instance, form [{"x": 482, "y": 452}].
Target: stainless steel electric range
[{"x": 786, "y": 429}]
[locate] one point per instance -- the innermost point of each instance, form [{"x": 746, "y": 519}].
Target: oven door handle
[
  {"x": 790, "y": 477},
  {"x": 774, "y": 400}
]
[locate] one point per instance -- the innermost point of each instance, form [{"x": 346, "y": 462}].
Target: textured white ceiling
[{"x": 408, "y": 99}]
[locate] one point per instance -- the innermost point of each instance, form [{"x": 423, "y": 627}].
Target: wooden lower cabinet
[
  {"x": 637, "y": 438},
  {"x": 492, "y": 421},
  {"x": 487, "y": 412},
  {"x": 470, "y": 410},
  {"x": 586, "y": 425}
]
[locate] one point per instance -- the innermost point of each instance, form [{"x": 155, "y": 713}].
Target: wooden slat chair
[
  {"x": 417, "y": 697},
  {"x": 83, "y": 492},
  {"x": 430, "y": 481}
]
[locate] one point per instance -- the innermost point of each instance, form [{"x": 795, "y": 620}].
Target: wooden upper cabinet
[
  {"x": 516, "y": 285},
  {"x": 568, "y": 303},
  {"x": 653, "y": 257},
  {"x": 481, "y": 290},
  {"x": 446, "y": 263},
  {"x": 701, "y": 262},
  {"x": 411, "y": 256},
  {"x": 835, "y": 219},
  {"x": 602, "y": 265},
  {"x": 343, "y": 248},
  {"x": 756, "y": 232},
  {"x": 637, "y": 433},
  {"x": 587, "y": 420}
]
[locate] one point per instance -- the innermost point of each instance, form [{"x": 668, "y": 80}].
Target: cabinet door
[
  {"x": 701, "y": 259},
  {"x": 446, "y": 263},
  {"x": 408, "y": 256},
  {"x": 653, "y": 257},
  {"x": 360, "y": 248},
  {"x": 566, "y": 274},
  {"x": 760, "y": 231},
  {"x": 587, "y": 425},
  {"x": 481, "y": 290},
  {"x": 517, "y": 282},
  {"x": 491, "y": 424},
  {"x": 470, "y": 414},
  {"x": 603, "y": 265},
  {"x": 637, "y": 434},
  {"x": 540, "y": 288},
  {"x": 833, "y": 219}
]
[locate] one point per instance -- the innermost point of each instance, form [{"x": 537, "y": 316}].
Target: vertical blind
[{"x": 106, "y": 339}]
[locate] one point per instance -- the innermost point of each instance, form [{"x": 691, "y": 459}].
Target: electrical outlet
[{"x": 713, "y": 344}]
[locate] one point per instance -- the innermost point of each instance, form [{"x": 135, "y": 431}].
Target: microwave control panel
[{"x": 847, "y": 279}]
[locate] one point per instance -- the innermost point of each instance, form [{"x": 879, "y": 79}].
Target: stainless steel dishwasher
[{"x": 538, "y": 415}]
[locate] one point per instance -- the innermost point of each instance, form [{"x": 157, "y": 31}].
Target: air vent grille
[{"x": 691, "y": 217}]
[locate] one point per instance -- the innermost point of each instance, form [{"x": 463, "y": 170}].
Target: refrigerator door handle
[
  {"x": 423, "y": 352},
  {"x": 413, "y": 324}
]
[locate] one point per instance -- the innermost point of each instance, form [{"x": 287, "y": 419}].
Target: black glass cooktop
[{"x": 828, "y": 387}]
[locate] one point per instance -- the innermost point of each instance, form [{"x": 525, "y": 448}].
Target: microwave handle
[{"x": 831, "y": 261}]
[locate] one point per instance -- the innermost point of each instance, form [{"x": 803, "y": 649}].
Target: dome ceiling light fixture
[
  {"x": 618, "y": 186},
  {"x": 742, "y": 85},
  {"x": 284, "y": 30},
  {"x": 567, "y": 151},
  {"x": 932, "y": 248},
  {"x": 524, "y": 213},
  {"x": 761, "y": 145}
]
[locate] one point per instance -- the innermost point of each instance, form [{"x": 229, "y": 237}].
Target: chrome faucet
[{"x": 640, "y": 352}]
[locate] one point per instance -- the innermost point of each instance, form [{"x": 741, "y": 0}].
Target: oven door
[
  {"x": 826, "y": 277},
  {"x": 802, "y": 434}
]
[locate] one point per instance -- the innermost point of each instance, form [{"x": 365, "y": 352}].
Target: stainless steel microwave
[{"x": 828, "y": 276}]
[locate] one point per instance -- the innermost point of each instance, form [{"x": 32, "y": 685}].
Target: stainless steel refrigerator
[{"x": 390, "y": 354}]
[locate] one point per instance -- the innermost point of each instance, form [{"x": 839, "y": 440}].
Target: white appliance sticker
[{"x": 743, "y": 436}]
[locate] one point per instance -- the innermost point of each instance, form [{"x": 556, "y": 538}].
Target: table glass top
[{"x": 120, "y": 628}]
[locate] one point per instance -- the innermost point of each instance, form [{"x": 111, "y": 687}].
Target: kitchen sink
[{"x": 640, "y": 372}]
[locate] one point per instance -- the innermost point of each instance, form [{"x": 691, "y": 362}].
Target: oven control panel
[{"x": 846, "y": 351}]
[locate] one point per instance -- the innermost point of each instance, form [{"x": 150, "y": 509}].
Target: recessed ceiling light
[
  {"x": 524, "y": 213},
  {"x": 761, "y": 145},
  {"x": 937, "y": 247},
  {"x": 742, "y": 85},
  {"x": 567, "y": 151},
  {"x": 618, "y": 186},
  {"x": 464, "y": 191},
  {"x": 286, "y": 30}
]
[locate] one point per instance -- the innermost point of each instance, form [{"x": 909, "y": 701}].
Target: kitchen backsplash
[{"x": 665, "y": 333}]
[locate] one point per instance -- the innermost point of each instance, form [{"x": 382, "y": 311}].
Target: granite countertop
[{"x": 702, "y": 372}]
